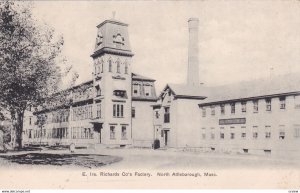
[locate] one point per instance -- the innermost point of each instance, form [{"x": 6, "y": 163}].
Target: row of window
[
  {"x": 82, "y": 133},
  {"x": 63, "y": 133},
  {"x": 83, "y": 93},
  {"x": 82, "y": 112},
  {"x": 35, "y": 133},
  {"x": 61, "y": 116},
  {"x": 113, "y": 132},
  {"x": 137, "y": 90},
  {"x": 268, "y": 102},
  {"x": 99, "y": 68},
  {"x": 267, "y": 133}
]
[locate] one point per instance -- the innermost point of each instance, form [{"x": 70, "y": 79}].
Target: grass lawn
[{"x": 51, "y": 159}]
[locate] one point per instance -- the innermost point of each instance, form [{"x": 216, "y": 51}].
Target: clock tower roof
[{"x": 112, "y": 37}]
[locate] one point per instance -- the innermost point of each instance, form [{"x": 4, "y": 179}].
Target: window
[
  {"x": 90, "y": 111},
  {"x": 244, "y": 106},
  {"x": 282, "y": 102},
  {"x": 98, "y": 71},
  {"x": 297, "y": 132},
  {"x": 136, "y": 89},
  {"x": 297, "y": 102},
  {"x": 231, "y": 135},
  {"x": 98, "y": 90},
  {"x": 120, "y": 93},
  {"x": 203, "y": 136},
  {"x": 124, "y": 132},
  {"x": 147, "y": 90},
  {"x": 126, "y": 68},
  {"x": 268, "y": 104},
  {"x": 122, "y": 111},
  {"x": 222, "y": 136},
  {"x": 112, "y": 132},
  {"x": 255, "y": 135},
  {"x": 232, "y": 105},
  {"x": 117, "y": 110},
  {"x": 212, "y": 136},
  {"x": 212, "y": 128},
  {"x": 243, "y": 135},
  {"x": 109, "y": 65},
  {"x": 118, "y": 66},
  {"x": 98, "y": 110},
  {"x": 156, "y": 114},
  {"x": 203, "y": 112},
  {"x": 255, "y": 106},
  {"x": 102, "y": 67},
  {"x": 212, "y": 110},
  {"x": 281, "y": 134},
  {"x": 268, "y": 135},
  {"x": 267, "y": 132},
  {"x": 167, "y": 115},
  {"x": 133, "y": 112},
  {"x": 30, "y": 133},
  {"x": 222, "y": 106},
  {"x": 30, "y": 120}
]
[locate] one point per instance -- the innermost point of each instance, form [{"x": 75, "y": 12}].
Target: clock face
[
  {"x": 118, "y": 40},
  {"x": 99, "y": 39}
]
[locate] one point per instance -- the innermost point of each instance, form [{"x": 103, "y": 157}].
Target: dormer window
[
  {"x": 147, "y": 90},
  {"x": 135, "y": 89},
  {"x": 120, "y": 93}
]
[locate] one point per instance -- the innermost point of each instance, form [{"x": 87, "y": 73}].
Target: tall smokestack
[{"x": 193, "y": 61}]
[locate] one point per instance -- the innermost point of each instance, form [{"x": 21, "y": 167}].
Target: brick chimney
[{"x": 193, "y": 61}]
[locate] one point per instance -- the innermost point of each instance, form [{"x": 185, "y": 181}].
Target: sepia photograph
[{"x": 152, "y": 94}]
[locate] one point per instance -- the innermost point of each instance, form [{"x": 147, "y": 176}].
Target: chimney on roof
[{"x": 193, "y": 61}]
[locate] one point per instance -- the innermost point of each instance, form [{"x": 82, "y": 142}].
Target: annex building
[
  {"x": 259, "y": 117},
  {"x": 120, "y": 108}
]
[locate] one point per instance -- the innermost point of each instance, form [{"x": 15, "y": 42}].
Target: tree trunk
[{"x": 19, "y": 129}]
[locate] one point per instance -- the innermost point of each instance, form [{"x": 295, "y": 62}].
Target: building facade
[
  {"x": 260, "y": 122},
  {"x": 98, "y": 112},
  {"x": 120, "y": 108}
]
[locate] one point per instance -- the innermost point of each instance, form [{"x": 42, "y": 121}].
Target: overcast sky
[{"x": 238, "y": 40}]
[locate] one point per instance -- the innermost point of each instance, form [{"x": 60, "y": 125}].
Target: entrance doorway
[
  {"x": 166, "y": 137},
  {"x": 97, "y": 129}
]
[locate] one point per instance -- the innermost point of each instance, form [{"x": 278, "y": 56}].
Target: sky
[{"x": 238, "y": 40}]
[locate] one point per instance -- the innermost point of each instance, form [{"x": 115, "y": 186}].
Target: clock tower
[{"x": 112, "y": 83}]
